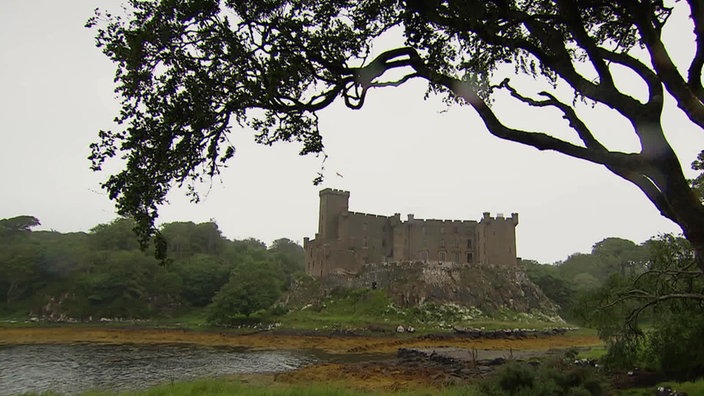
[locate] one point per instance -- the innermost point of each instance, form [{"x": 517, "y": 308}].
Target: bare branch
[
  {"x": 541, "y": 141},
  {"x": 651, "y": 190},
  {"x": 568, "y": 113},
  {"x": 655, "y": 92}
]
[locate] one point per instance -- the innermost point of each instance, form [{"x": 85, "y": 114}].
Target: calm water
[{"x": 70, "y": 369}]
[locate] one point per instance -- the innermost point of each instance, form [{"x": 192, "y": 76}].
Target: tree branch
[
  {"x": 464, "y": 90},
  {"x": 570, "y": 13},
  {"x": 653, "y": 300},
  {"x": 568, "y": 113},
  {"x": 655, "y": 92},
  {"x": 691, "y": 104},
  {"x": 694, "y": 75},
  {"x": 649, "y": 187}
]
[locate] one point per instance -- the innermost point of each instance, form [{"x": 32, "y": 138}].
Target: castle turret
[
  {"x": 496, "y": 240},
  {"x": 333, "y": 203}
]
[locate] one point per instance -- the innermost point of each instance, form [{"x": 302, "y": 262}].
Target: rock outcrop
[{"x": 487, "y": 288}]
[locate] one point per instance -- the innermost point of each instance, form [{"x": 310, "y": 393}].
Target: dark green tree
[
  {"x": 556, "y": 288},
  {"x": 250, "y": 288},
  {"x": 116, "y": 287},
  {"x": 187, "y": 71},
  {"x": 21, "y": 257},
  {"x": 290, "y": 257},
  {"x": 187, "y": 238},
  {"x": 18, "y": 224},
  {"x": 202, "y": 276},
  {"x": 609, "y": 256},
  {"x": 653, "y": 318},
  {"x": 246, "y": 250},
  {"x": 116, "y": 235},
  {"x": 20, "y": 272}
]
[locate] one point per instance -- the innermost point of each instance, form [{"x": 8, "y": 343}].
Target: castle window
[
  {"x": 365, "y": 226},
  {"x": 470, "y": 258},
  {"x": 365, "y": 243},
  {"x": 469, "y": 243},
  {"x": 442, "y": 230},
  {"x": 441, "y": 256},
  {"x": 457, "y": 257},
  {"x": 442, "y": 243}
]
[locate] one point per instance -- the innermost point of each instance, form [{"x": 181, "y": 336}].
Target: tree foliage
[
  {"x": 187, "y": 71},
  {"x": 250, "y": 288},
  {"x": 553, "y": 377},
  {"x": 18, "y": 224},
  {"x": 104, "y": 274},
  {"x": 653, "y": 317},
  {"x": 568, "y": 282}
]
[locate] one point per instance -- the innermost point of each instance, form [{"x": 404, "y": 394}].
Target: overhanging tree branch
[
  {"x": 694, "y": 75},
  {"x": 568, "y": 113}
]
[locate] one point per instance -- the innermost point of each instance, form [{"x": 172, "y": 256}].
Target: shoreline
[{"x": 287, "y": 340}]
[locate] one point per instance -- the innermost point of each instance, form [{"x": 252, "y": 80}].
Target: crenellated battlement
[
  {"x": 486, "y": 217},
  {"x": 369, "y": 215},
  {"x": 328, "y": 191},
  {"x": 444, "y": 221}
]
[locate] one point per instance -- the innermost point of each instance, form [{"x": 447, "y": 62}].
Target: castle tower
[
  {"x": 496, "y": 240},
  {"x": 333, "y": 203}
]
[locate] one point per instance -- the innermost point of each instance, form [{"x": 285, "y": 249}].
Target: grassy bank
[
  {"x": 260, "y": 387},
  {"x": 691, "y": 388},
  {"x": 264, "y": 385}
]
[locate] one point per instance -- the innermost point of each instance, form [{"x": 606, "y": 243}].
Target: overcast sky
[{"x": 399, "y": 154}]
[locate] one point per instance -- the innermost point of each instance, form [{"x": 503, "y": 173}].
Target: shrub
[{"x": 555, "y": 377}]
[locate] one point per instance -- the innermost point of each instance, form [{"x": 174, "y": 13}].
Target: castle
[{"x": 346, "y": 241}]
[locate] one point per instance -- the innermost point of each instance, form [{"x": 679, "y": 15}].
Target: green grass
[
  {"x": 232, "y": 386},
  {"x": 225, "y": 386},
  {"x": 692, "y": 389},
  {"x": 361, "y": 308}
]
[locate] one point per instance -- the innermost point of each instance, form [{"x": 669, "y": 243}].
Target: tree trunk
[{"x": 687, "y": 211}]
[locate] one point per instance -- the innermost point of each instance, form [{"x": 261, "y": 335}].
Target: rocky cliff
[{"x": 489, "y": 289}]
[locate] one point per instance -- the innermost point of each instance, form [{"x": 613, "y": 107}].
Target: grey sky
[{"x": 399, "y": 154}]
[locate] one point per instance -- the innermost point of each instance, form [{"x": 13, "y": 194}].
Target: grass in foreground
[
  {"x": 225, "y": 386},
  {"x": 691, "y": 388}
]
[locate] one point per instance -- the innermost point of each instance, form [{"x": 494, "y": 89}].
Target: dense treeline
[
  {"x": 568, "y": 281},
  {"x": 646, "y": 301},
  {"x": 104, "y": 274}
]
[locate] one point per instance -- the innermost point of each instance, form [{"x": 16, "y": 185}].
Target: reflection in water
[{"x": 69, "y": 369}]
